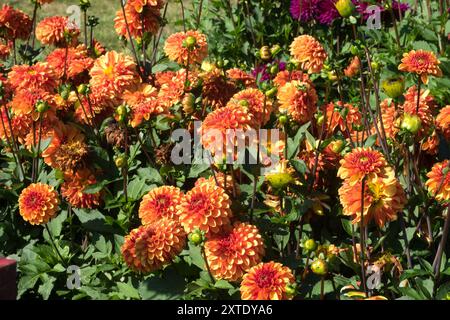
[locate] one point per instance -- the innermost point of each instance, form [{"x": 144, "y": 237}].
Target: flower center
[
  {"x": 199, "y": 202},
  {"x": 265, "y": 278},
  {"x": 34, "y": 201}
]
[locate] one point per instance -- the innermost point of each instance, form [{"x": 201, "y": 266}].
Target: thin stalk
[
  {"x": 200, "y": 7},
  {"x": 54, "y": 245},
  {"x": 183, "y": 15},
  {"x": 361, "y": 237},
  {"x": 15, "y": 147},
  {"x": 442, "y": 244},
  {"x": 207, "y": 264}
]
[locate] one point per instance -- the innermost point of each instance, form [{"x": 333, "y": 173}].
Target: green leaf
[
  {"x": 197, "y": 169},
  {"x": 170, "y": 286},
  {"x": 370, "y": 141},
  {"x": 128, "y": 291},
  {"x": 55, "y": 225},
  {"x": 347, "y": 225},
  {"x": 223, "y": 284},
  {"x": 45, "y": 289},
  {"x": 93, "y": 220}
]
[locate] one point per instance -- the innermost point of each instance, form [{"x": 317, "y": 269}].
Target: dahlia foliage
[{"x": 255, "y": 150}]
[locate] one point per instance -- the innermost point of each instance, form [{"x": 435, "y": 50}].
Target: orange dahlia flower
[
  {"x": 267, "y": 281},
  {"x": 298, "y": 99},
  {"x": 152, "y": 246},
  {"x": 15, "y": 23},
  {"x": 256, "y": 102},
  {"x": 219, "y": 180},
  {"x": 67, "y": 150},
  {"x": 353, "y": 68},
  {"x": 345, "y": 115},
  {"x": 213, "y": 131},
  {"x": 241, "y": 77},
  {"x": 20, "y": 123},
  {"x": 25, "y": 101},
  {"x": 217, "y": 90},
  {"x": 285, "y": 76},
  {"x": 205, "y": 207},
  {"x": 384, "y": 197},
  {"x": 309, "y": 52},
  {"x": 177, "y": 50},
  {"x": 5, "y": 50},
  {"x": 231, "y": 254},
  {"x": 58, "y": 31},
  {"x": 139, "y": 22},
  {"x": 360, "y": 163},
  {"x": 160, "y": 202},
  {"x": 438, "y": 183},
  {"x": 77, "y": 62},
  {"x": 38, "y": 76},
  {"x": 425, "y": 111},
  {"x": 421, "y": 62},
  {"x": 143, "y": 103},
  {"x": 443, "y": 121},
  {"x": 389, "y": 116},
  {"x": 140, "y": 5},
  {"x": 73, "y": 189},
  {"x": 38, "y": 203},
  {"x": 112, "y": 73}
]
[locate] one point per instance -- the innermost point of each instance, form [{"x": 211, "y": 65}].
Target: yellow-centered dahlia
[
  {"x": 231, "y": 253},
  {"x": 298, "y": 99},
  {"x": 267, "y": 281},
  {"x": 150, "y": 247},
  {"x": 360, "y": 163},
  {"x": 187, "y": 47},
  {"x": 438, "y": 183},
  {"x": 443, "y": 121},
  {"x": 113, "y": 72},
  {"x": 205, "y": 207},
  {"x": 384, "y": 197},
  {"x": 160, "y": 202},
  {"x": 421, "y": 62},
  {"x": 309, "y": 52},
  {"x": 38, "y": 203}
]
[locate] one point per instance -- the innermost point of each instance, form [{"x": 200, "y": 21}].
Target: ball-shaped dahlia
[
  {"x": 361, "y": 162},
  {"x": 421, "y": 62},
  {"x": 38, "y": 203},
  {"x": 76, "y": 62},
  {"x": 58, "y": 31},
  {"x": 151, "y": 247},
  {"x": 186, "y": 47},
  {"x": 205, "y": 207},
  {"x": 231, "y": 253},
  {"x": 145, "y": 20},
  {"x": 160, "y": 202},
  {"x": 14, "y": 23},
  {"x": 267, "y": 281},
  {"x": 214, "y": 128},
  {"x": 443, "y": 121},
  {"x": 384, "y": 197},
  {"x": 39, "y": 76},
  {"x": 257, "y": 104},
  {"x": 309, "y": 52},
  {"x": 299, "y": 100},
  {"x": 438, "y": 183}
]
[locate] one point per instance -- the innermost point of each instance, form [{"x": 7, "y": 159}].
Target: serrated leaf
[{"x": 128, "y": 291}]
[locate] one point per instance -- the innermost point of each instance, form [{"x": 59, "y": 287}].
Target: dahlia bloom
[
  {"x": 5, "y": 50},
  {"x": 267, "y": 281},
  {"x": 384, "y": 197},
  {"x": 342, "y": 115},
  {"x": 217, "y": 90},
  {"x": 147, "y": 19},
  {"x": 112, "y": 73},
  {"x": 443, "y": 121},
  {"x": 285, "y": 76},
  {"x": 309, "y": 52},
  {"x": 298, "y": 99},
  {"x": 160, "y": 202},
  {"x": 73, "y": 189},
  {"x": 389, "y": 117},
  {"x": 172, "y": 89},
  {"x": 38, "y": 203},
  {"x": 143, "y": 101},
  {"x": 77, "y": 62},
  {"x": 323, "y": 11},
  {"x": 58, "y": 31},
  {"x": 38, "y": 76},
  {"x": 15, "y": 23},
  {"x": 438, "y": 183},
  {"x": 214, "y": 129},
  {"x": 20, "y": 123},
  {"x": 425, "y": 111},
  {"x": 241, "y": 77},
  {"x": 205, "y": 207},
  {"x": 67, "y": 150},
  {"x": 25, "y": 100},
  {"x": 421, "y": 62},
  {"x": 256, "y": 102},
  {"x": 219, "y": 180},
  {"x": 230, "y": 254},
  {"x": 152, "y": 246},
  {"x": 360, "y": 163},
  {"x": 353, "y": 68},
  {"x": 176, "y": 49}
]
